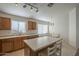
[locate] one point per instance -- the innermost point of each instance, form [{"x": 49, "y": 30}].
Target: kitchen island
[{"x": 46, "y": 45}]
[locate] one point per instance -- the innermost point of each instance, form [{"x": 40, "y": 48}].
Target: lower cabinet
[
  {"x": 11, "y": 44},
  {"x": 7, "y": 45},
  {"x": 22, "y": 39},
  {"x": 17, "y": 43}
]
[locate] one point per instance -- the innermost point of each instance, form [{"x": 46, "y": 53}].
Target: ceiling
[{"x": 44, "y": 11}]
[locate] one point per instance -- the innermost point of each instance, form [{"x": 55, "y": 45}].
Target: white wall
[
  {"x": 61, "y": 25},
  {"x": 13, "y": 17},
  {"x": 72, "y": 27},
  {"x": 77, "y": 27}
]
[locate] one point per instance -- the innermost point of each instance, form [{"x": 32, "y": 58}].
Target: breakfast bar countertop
[{"x": 41, "y": 42}]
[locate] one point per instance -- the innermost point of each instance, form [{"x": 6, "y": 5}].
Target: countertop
[
  {"x": 13, "y": 36},
  {"x": 41, "y": 42}
]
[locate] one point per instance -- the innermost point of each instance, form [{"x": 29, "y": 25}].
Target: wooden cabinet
[
  {"x": 31, "y": 25},
  {"x": 5, "y": 23},
  {"x": 7, "y": 45},
  {"x": 22, "y": 43},
  {"x": 17, "y": 43},
  {"x": 12, "y": 44},
  {"x": 34, "y": 25}
]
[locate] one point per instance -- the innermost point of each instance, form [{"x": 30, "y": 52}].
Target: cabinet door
[
  {"x": 17, "y": 43},
  {"x": 34, "y": 25},
  {"x": 7, "y": 45},
  {"x": 22, "y": 41},
  {"x": 6, "y": 23},
  {"x": 30, "y": 25}
]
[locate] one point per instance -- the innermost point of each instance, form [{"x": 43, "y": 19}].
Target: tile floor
[{"x": 67, "y": 50}]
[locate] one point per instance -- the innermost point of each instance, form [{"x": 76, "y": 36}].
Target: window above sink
[{"x": 19, "y": 26}]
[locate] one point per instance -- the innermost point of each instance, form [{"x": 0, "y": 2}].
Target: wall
[
  {"x": 61, "y": 25},
  {"x": 72, "y": 27},
  {"x": 77, "y": 27},
  {"x": 19, "y": 18}
]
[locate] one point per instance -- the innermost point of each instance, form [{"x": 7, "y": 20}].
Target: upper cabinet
[
  {"x": 31, "y": 25},
  {"x": 5, "y": 23},
  {"x": 34, "y": 25}
]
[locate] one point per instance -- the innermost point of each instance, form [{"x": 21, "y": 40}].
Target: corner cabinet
[{"x": 5, "y": 23}]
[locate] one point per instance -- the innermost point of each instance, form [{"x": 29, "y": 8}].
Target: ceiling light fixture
[
  {"x": 24, "y": 6},
  {"x": 32, "y": 6},
  {"x": 50, "y": 4}
]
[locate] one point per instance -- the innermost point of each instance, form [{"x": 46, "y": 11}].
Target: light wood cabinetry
[
  {"x": 17, "y": 43},
  {"x": 34, "y": 25},
  {"x": 31, "y": 25},
  {"x": 5, "y": 23},
  {"x": 7, "y": 45},
  {"x": 22, "y": 41},
  {"x": 12, "y": 44}
]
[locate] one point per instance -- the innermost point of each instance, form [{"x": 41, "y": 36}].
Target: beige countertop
[
  {"x": 41, "y": 42},
  {"x": 13, "y": 36}
]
